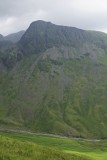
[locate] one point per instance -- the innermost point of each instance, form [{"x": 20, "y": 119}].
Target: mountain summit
[
  {"x": 54, "y": 80},
  {"x": 42, "y": 35}
]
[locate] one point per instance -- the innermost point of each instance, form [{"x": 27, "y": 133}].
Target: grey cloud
[{"x": 16, "y": 15}]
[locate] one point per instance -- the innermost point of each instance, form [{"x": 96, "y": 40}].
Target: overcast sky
[{"x": 16, "y": 15}]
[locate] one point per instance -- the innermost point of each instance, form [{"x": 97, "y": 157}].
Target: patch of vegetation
[
  {"x": 14, "y": 149},
  {"x": 44, "y": 66},
  {"x": 90, "y": 150},
  {"x": 57, "y": 62}
]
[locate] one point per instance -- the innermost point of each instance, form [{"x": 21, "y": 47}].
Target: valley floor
[{"x": 29, "y": 147}]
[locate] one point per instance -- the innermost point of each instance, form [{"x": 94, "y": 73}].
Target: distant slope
[
  {"x": 54, "y": 80},
  {"x": 14, "y": 37},
  {"x": 1, "y": 37},
  {"x": 4, "y": 45}
]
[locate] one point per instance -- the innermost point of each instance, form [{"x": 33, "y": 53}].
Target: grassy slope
[
  {"x": 63, "y": 96},
  {"x": 93, "y": 150},
  {"x": 13, "y": 149}
]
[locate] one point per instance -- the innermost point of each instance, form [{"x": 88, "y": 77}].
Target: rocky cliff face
[{"x": 43, "y": 35}]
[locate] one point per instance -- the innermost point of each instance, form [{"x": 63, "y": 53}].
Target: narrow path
[{"x": 50, "y": 135}]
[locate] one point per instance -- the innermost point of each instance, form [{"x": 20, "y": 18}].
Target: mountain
[
  {"x": 4, "y": 45},
  {"x": 9, "y": 52},
  {"x": 1, "y": 37},
  {"x": 54, "y": 80},
  {"x": 43, "y": 35},
  {"x": 14, "y": 37}
]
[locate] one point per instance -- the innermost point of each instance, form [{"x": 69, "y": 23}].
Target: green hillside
[
  {"x": 13, "y": 149},
  {"x": 41, "y": 147},
  {"x": 59, "y": 89}
]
